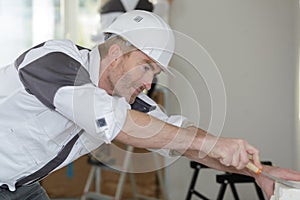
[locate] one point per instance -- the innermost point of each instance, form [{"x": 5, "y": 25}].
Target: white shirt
[{"x": 47, "y": 96}]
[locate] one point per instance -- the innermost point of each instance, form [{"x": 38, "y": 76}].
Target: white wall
[
  {"x": 297, "y": 119},
  {"x": 254, "y": 46}
]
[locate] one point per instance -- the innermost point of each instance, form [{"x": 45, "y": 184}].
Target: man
[{"x": 59, "y": 101}]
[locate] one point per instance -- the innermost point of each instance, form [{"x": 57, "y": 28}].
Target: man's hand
[
  {"x": 267, "y": 184},
  {"x": 230, "y": 152}
]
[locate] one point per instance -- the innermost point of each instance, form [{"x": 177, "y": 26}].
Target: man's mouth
[{"x": 139, "y": 90}]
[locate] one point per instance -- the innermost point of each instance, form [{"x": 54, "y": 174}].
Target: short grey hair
[{"x": 111, "y": 39}]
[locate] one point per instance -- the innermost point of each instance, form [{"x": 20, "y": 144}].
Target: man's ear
[{"x": 114, "y": 52}]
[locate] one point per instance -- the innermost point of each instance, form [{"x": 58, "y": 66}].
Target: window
[
  {"x": 88, "y": 21},
  {"x": 25, "y": 23}
]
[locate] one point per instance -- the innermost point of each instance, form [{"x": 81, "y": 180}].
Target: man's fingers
[
  {"x": 243, "y": 160},
  {"x": 253, "y": 154},
  {"x": 235, "y": 160},
  {"x": 234, "y": 152},
  {"x": 240, "y": 158},
  {"x": 225, "y": 161}
]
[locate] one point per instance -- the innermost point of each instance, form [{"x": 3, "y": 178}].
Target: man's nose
[{"x": 148, "y": 82}]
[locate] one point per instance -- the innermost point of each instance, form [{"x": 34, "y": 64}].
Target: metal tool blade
[{"x": 282, "y": 181}]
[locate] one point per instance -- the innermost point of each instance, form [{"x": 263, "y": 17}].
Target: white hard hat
[{"x": 148, "y": 33}]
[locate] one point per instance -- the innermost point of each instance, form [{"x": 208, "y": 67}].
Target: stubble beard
[{"x": 120, "y": 88}]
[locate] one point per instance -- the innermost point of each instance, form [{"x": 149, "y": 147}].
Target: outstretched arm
[
  {"x": 144, "y": 131},
  {"x": 230, "y": 155}
]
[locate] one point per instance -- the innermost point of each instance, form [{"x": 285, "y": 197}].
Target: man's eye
[{"x": 146, "y": 68}]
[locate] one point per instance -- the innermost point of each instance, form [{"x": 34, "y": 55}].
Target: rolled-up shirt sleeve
[{"x": 101, "y": 115}]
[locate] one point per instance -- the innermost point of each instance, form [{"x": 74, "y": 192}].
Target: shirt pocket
[
  {"x": 53, "y": 131},
  {"x": 56, "y": 127},
  {"x": 14, "y": 155},
  {"x": 45, "y": 136}
]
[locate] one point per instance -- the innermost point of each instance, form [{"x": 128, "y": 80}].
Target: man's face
[{"x": 131, "y": 74}]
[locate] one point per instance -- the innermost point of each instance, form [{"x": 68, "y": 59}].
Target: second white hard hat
[{"x": 148, "y": 33}]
